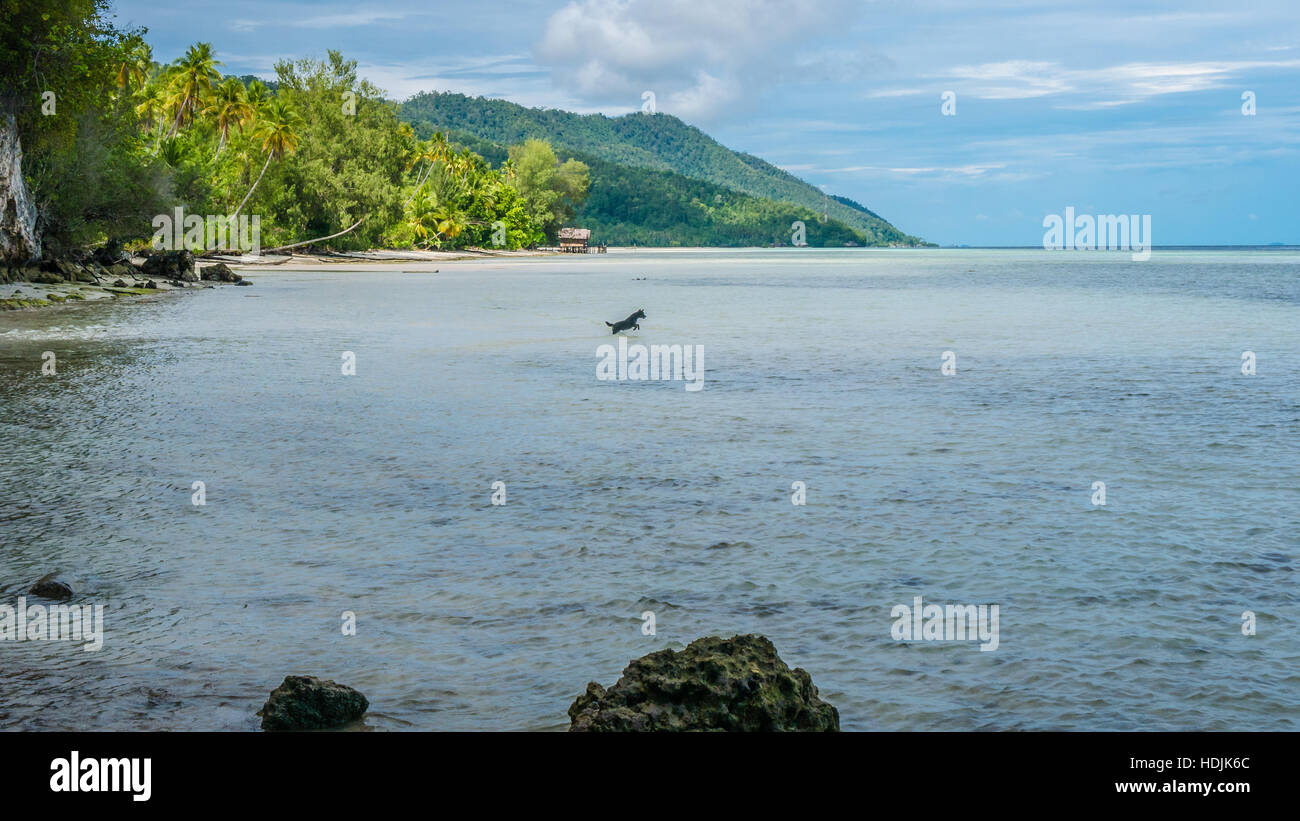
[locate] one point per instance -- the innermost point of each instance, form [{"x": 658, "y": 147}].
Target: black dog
[{"x": 630, "y": 322}]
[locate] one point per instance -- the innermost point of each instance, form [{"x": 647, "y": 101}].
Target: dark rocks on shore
[
  {"x": 110, "y": 254},
  {"x": 738, "y": 684},
  {"x": 177, "y": 265},
  {"x": 309, "y": 703},
  {"x": 220, "y": 272},
  {"x": 48, "y": 588},
  {"x": 111, "y": 263}
]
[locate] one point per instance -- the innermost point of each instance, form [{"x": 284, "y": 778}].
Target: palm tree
[
  {"x": 421, "y": 219},
  {"x": 434, "y": 220},
  {"x": 441, "y": 150},
  {"x": 277, "y": 128},
  {"x": 450, "y": 221},
  {"x": 172, "y": 152},
  {"x": 135, "y": 66},
  {"x": 258, "y": 94},
  {"x": 191, "y": 83},
  {"x": 229, "y": 107},
  {"x": 153, "y": 101},
  {"x": 424, "y": 152}
]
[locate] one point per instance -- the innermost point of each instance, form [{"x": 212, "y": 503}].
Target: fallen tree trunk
[{"x": 317, "y": 239}]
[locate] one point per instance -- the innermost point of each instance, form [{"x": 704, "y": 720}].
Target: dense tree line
[{"x": 106, "y": 138}]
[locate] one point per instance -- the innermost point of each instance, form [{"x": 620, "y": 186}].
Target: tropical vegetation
[
  {"x": 107, "y": 137},
  {"x": 318, "y": 153},
  {"x": 652, "y": 142}
]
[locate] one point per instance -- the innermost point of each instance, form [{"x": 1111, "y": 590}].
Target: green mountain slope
[
  {"x": 657, "y": 142},
  {"x": 641, "y": 206}
]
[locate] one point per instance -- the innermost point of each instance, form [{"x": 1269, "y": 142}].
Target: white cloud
[
  {"x": 1102, "y": 87},
  {"x": 699, "y": 57},
  {"x": 323, "y": 21}
]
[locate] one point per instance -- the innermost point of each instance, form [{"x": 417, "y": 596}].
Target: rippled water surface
[{"x": 372, "y": 494}]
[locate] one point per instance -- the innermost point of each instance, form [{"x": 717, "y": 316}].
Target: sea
[{"x": 432, "y": 486}]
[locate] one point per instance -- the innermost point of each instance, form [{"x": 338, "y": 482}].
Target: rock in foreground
[
  {"x": 308, "y": 703},
  {"x": 738, "y": 684},
  {"x": 48, "y": 588}
]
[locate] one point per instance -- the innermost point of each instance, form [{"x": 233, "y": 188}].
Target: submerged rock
[
  {"x": 738, "y": 684},
  {"x": 243, "y": 282},
  {"x": 48, "y": 588},
  {"x": 308, "y": 703}
]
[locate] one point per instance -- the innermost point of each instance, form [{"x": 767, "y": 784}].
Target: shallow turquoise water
[{"x": 372, "y": 493}]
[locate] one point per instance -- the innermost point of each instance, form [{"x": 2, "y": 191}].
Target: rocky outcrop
[
  {"x": 738, "y": 684},
  {"x": 106, "y": 272},
  {"x": 171, "y": 265},
  {"x": 308, "y": 703},
  {"x": 49, "y": 588},
  {"x": 19, "y": 239},
  {"x": 219, "y": 272}
]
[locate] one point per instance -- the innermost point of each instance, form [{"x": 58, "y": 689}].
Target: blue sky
[{"x": 1125, "y": 107}]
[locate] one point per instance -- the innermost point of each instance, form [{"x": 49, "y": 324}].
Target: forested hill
[
  {"x": 642, "y": 206},
  {"x": 658, "y": 142}
]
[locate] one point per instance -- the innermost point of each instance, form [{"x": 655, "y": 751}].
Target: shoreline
[
  {"x": 86, "y": 282},
  {"x": 23, "y": 296}
]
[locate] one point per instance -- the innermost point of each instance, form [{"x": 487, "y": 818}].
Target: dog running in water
[{"x": 630, "y": 322}]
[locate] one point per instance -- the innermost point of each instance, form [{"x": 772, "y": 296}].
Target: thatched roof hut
[{"x": 574, "y": 237}]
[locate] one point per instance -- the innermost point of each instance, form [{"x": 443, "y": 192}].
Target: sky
[{"x": 1107, "y": 106}]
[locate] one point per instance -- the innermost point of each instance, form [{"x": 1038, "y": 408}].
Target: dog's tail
[{"x": 610, "y": 324}]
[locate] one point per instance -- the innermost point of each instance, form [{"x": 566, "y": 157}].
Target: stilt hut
[{"x": 574, "y": 240}]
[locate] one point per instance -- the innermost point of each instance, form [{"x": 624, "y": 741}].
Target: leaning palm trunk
[
  {"x": 317, "y": 239},
  {"x": 418, "y": 186},
  {"x": 251, "y": 190},
  {"x": 180, "y": 112}
]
